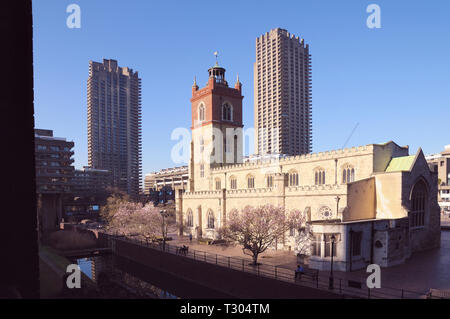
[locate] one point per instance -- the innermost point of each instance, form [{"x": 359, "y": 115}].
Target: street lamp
[{"x": 331, "y": 280}]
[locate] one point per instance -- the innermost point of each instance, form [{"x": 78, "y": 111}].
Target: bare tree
[{"x": 258, "y": 228}]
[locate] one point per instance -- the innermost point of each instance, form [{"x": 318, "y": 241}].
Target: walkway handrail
[{"x": 341, "y": 285}]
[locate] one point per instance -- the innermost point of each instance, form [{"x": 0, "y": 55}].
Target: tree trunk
[{"x": 255, "y": 258}]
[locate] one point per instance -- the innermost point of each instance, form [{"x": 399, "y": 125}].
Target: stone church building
[{"x": 372, "y": 204}]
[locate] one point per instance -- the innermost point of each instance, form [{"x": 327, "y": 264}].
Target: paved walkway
[
  {"x": 445, "y": 221},
  {"x": 424, "y": 270}
]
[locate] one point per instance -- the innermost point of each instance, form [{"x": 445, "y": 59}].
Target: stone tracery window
[
  {"x": 202, "y": 170},
  {"x": 190, "y": 219},
  {"x": 325, "y": 212},
  {"x": 250, "y": 181},
  {"x": 348, "y": 174},
  {"x": 319, "y": 176},
  {"x": 202, "y": 144},
  {"x": 418, "y": 204},
  {"x": 233, "y": 182},
  {"x": 227, "y": 112},
  {"x": 210, "y": 219},
  {"x": 293, "y": 178},
  {"x": 218, "y": 184},
  {"x": 269, "y": 179},
  {"x": 201, "y": 113}
]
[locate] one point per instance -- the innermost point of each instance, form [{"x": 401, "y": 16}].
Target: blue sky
[{"x": 393, "y": 81}]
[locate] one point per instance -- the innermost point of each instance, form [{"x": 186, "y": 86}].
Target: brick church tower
[{"x": 216, "y": 128}]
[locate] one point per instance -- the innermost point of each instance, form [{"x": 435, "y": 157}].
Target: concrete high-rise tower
[
  {"x": 282, "y": 92},
  {"x": 114, "y": 123}
]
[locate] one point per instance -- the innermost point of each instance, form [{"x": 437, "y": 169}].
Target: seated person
[{"x": 299, "y": 271}]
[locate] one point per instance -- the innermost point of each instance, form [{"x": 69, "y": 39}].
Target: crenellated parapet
[
  {"x": 197, "y": 194},
  {"x": 250, "y": 191},
  {"x": 299, "y": 159},
  {"x": 317, "y": 188}
]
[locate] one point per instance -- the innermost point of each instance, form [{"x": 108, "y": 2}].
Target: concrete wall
[{"x": 226, "y": 281}]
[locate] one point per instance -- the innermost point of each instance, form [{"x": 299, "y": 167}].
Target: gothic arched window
[
  {"x": 227, "y": 112},
  {"x": 201, "y": 113},
  {"x": 218, "y": 184},
  {"x": 418, "y": 204},
  {"x": 250, "y": 181},
  {"x": 210, "y": 219},
  {"x": 319, "y": 176},
  {"x": 190, "y": 219},
  {"x": 293, "y": 178},
  {"x": 269, "y": 179},
  {"x": 233, "y": 182},
  {"x": 202, "y": 144},
  {"x": 202, "y": 170},
  {"x": 348, "y": 174}
]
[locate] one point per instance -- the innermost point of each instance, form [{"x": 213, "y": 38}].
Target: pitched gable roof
[
  {"x": 403, "y": 163},
  {"x": 398, "y": 164}
]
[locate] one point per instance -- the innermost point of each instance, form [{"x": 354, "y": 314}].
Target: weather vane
[{"x": 216, "y": 53}]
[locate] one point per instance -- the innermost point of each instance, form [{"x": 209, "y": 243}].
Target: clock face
[{"x": 326, "y": 213}]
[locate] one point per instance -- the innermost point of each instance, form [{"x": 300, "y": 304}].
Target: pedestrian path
[{"x": 423, "y": 271}]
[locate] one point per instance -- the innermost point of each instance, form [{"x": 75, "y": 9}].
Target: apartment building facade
[
  {"x": 114, "y": 124},
  {"x": 440, "y": 163},
  {"x": 167, "y": 177},
  {"x": 54, "y": 177},
  {"x": 282, "y": 94}
]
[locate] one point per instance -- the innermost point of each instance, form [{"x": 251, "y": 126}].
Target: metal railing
[{"x": 347, "y": 288}]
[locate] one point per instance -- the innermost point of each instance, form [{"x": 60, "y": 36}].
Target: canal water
[{"x": 109, "y": 265}]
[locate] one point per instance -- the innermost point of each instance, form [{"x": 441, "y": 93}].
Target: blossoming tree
[
  {"x": 134, "y": 219},
  {"x": 258, "y": 228}
]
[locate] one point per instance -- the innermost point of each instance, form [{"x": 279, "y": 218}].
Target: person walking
[{"x": 190, "y": 238}]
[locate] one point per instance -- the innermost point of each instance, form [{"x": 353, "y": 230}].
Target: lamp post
[
  {"x": 164, "y": 215},
  {"x": 331, "y": 280}
]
